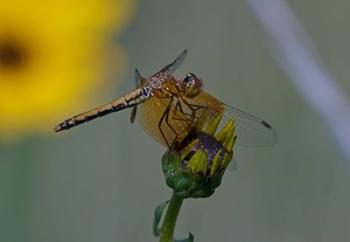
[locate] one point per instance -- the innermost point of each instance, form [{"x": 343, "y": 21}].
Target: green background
[{"x": 102, "y": 181}]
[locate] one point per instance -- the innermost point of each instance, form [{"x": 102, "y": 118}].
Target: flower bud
[{"x": 195, "y": 164}]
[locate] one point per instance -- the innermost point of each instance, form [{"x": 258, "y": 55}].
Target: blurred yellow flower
[{"x": 53, "y": 54}]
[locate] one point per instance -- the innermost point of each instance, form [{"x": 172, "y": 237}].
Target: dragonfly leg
[
  {"x": 169, "y": 125},
  {"x": 166, "y": 112},
  {"x": 197, "y": 107},
  {"x": 194, "y": 108},
  {"x": 179, "y": 107}
]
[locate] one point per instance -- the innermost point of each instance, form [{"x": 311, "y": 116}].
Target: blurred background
[{"x": 102, "y": 181}]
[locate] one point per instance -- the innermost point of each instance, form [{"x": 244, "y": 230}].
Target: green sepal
[
  {"x": 183, "y": 180},
  {"x": 189, "y": 239},
  {"x": 202, "y": 192},
  {"x": 157, "y": 217},
  {"x": 216, "y": 180},
  {"x": 170, "y": 161}
]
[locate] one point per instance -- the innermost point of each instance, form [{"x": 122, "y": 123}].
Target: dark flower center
[
  {"x": 207, "y": 142},
  {"x": 12, "y": 54}
]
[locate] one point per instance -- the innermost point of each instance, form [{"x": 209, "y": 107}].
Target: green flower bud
[{"x": 196, "y": 162}]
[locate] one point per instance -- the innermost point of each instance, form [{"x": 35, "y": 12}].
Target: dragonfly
[{"x": 169, "y": 106}]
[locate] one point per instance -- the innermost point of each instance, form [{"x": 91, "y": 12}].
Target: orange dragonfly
[{"x": 170, "y": 106}]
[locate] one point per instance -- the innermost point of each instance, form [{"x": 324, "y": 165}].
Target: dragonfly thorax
[{"x": 164, "y": 87}]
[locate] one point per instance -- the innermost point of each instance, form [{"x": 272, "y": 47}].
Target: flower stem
[{"x": 167, "y": 231}]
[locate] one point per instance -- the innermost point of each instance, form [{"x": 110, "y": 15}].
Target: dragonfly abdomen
[{"x": 131, "y": 99}]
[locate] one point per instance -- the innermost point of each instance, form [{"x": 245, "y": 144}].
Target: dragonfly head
[{"x": 192, "y": 85}]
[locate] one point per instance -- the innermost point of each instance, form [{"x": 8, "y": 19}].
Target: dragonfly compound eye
[{"x": 192, "y": 85}]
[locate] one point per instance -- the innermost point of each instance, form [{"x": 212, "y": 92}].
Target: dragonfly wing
[
  {"x": 250, "y": 130},
  {"x": 133, "y": 114},
  {"x": 173, "y": 66},
  {"x": 139, "y": 81},
  {"x": 150, "y": 114},
  {"x": 180, "y": 121},
  {"x": 137, "y": 78}
]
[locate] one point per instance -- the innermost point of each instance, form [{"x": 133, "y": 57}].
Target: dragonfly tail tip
[{"x": 58, "y": 128}]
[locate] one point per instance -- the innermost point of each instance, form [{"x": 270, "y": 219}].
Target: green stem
[{"x": 167, "y": 231}]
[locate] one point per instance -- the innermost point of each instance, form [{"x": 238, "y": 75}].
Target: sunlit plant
[{"x": 193, "y": 168}]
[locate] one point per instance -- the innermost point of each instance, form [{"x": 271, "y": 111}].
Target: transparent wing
[
  {"x": 173, "y": 66},
  {"x": 250, "y": 130},
  {"x": 137, "y": 78}
]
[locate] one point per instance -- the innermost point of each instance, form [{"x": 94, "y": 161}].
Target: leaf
[
  {"x": 189, "y": 239},
  {"x": 158, "y": 216}
]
